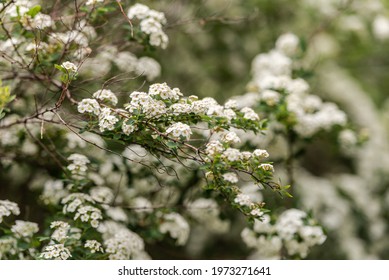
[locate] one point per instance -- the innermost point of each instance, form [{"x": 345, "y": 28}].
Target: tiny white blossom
[
  {"x": 7, "y": 208},
  {"x": 178, "y": 130},
  {"x": 94, "y": 246},
  {"x": 266, "y": 167},
  {"x": 71, "y": 67},
  {"x": 89, "y": 105},
  {"x": 260, "y": 153},
  {"x": 243, "y": 200},
  {"x": 106, "y": 95},
  {"x": 249, "y": 114},
  {"x": 230, "y": 177},
  {"x": 230, "y": 137},
  {"x": 232, "y": 155},
  {"x": 24, "y": 229}
]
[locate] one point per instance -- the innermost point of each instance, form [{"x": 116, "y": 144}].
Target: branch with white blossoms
[
  {"x": 294, "y": 233},
  {"x": 164, "y": 122}
]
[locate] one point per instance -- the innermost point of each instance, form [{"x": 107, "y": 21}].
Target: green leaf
[{"x": 34, "y": 11}]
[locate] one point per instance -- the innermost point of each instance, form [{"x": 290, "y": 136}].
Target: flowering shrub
[{"x": 106, "y": 160}]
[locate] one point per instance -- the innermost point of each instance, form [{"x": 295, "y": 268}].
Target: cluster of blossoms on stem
[
  {"x": 293, "y": 230},
  {"x": 151, "y": 23},
  {"x": 24, "y": 229},
  {"x": 7, "y": 208},
  {"x": 272, "y": 86},
  {"x": 81, "y": 205},
  {"x": 61, "y": 230},
  {"x": 124, "y": 245},
  {"x": 55, "y": 252},
  {"x": 78, "y": 166},
  {"x": 94, "y": 246}
]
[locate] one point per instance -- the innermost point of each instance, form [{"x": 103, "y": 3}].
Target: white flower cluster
[
  {"x": 94, "y": 246},
  {"x": 102, "y": 194},
  {"x": 90, "y": 214},
  {"x": 230, "y": 138},
  {"x": 128, "y": 128},
  {"x": 107, "y": 120},
  {"x": 143, "y": 102},
  {"x": 76, "y": 203},
  {"x": 165, "y": 92},
  {"x": 124, "y": 245},
  {"x": 272, "y": 79},
  {"x": 55, "y": 252},
  {"x": 7, "y": 208},
  {"x": 89, "y": 105},
  {"x": 176, "y": 226},
  {"x": 243, "y": 200},
  {"x": 231, "y": 177},
  {"x": 179, "y": 130},
  {"x": 53, "y": 192},
  {"x": 106, "y": 95},
  {"x": 60, "y": 233},
  {"x": 126, "y": 61},
  {"x": 206, "y": 211},
  {"x": 151, "y": 23},
  {"x": 313, "y": 115},
  {"x": 7, "y": 246},
  {"x": 21, "y": 8},
  {"x": 70, "y": 67},
  {"x": 24, "y": 229},
  {"x": 293, "y": 230},
  {"x": 78, "y": 167}
]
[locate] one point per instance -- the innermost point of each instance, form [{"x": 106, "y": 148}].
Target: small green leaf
[{"x": 34, "y": 11}]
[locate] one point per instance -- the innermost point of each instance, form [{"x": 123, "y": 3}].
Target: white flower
[
  {"x": 71, "y": 67},
  {"x": 7, "y": 208},
  {"x": 270, "y": 97},
  {"x": 94, "y": 246},
  {"x": 257, "y": 212},
  {"x": 266, "y": 167},
  {"x": 231, "y": 104},
  {"x": 178, "y": 130},
  {"x": 214, "y": 148},
  {"x": 102, "y": 194},
  {"x": 347, "y": 138},
  {"x": 381, "y": 27},
  {"x": 164, "y": 91},
  {"x": 89, "y": 105},
  {"x": 159, "y": 39},
  {"x": 230, "y": 177},
  {"x": 243, "y": 200},
  {"x": 24, "y": 229},
  {"x": 138, "y": 11},
  {"x": 78, "y": 167},
  {"x": 128, "y": 128},
  {"x": 61, "y": 231},
  {"x": 288, "y": 44},
  {"x": 176, "y": 226},
  {"x": 124, "y": 245},
  {"x": 260, "y": 153},
  {"x": 107, "y": 121},
  {"x": 89, "y": 214},
  {"x": 232, "y": 155},
  {"x": 249, "y": 114},
  {"x": 56, "y": 252},
  {"x": 106, "y": 95},
  {"x": 148, "y": 67},
  {"x": 230, "y": 137},
  {"x": 53, "y": 192}
]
